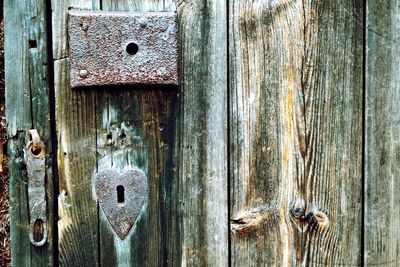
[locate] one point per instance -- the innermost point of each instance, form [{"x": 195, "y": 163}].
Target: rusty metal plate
[
  {"x": 120, "y": 48},
  {"x": 35, "y": 159},
  {"x": 121, "y": 196}
]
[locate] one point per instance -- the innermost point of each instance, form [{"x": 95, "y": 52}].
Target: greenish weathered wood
[
  {"x": 146, "y": 116},
  {"x": 296, "y": 89},
  {"x": 382, "y": 134},
  {"x": 136, "y": 129},
  {"x": 204, "y": 159},
  {"x": 27, "y": 107},
  {"x": 76, "y": 129}
]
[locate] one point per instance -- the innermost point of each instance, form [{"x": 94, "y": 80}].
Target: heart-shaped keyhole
[{"x": 121, "y": 196}]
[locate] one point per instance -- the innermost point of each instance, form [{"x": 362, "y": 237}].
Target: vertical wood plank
[
  {"x": 382, "y": 135},
  {"x": 203, "y": 162},
  {"x": 296, "y": 132},
  {"x": 27, "y": 107},
  {"x": 138, "y": 129},
  {"x": 76, "y": 136}
]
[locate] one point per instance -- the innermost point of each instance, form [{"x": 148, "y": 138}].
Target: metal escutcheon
[{"x": 121, "y": 197}]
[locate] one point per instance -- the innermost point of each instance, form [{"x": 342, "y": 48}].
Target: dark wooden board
[
  {"x": 27, "y": 106},
  {"x": 142, "y": 123},
  {"x": 124, "y": 127}
]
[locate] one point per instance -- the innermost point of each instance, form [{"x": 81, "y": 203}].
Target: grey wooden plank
[
  {"x": 27, "y": 107},
  {"x": 76, "y": 126},
  {"x": 382, "y": 135},
  {"x": 136, "y": 130},
  {"x": 76, "y": 137},
  {"x": 139, "y": 5},
  {"x": 147, "y": 117},
  {"x": 296, "y": 132},
  {"x": 203, "y": 163}
]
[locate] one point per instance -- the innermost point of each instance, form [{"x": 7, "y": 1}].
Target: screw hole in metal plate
[{"x": 132, "y": 48}]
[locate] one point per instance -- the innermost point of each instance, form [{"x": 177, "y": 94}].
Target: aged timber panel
[
  {"x": 136, "y": 130},
  {"x": 27, "y": 101},
  {"x": 76, "y": 137},
  {"x": 137, "y": 127},
  {"x": 296, "y": 132},
  {"x": 382, "y": 134},
  {"x": 203, "y": 174},
  {"x": 120, "y": 127}
]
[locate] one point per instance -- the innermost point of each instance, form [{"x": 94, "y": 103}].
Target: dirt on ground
[{"x": 5, "y": 256}]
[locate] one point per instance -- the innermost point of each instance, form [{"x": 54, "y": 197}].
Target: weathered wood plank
[
  {"x": 140, "y": 124},
  {"x": 136, "y": 130},
  {"x": 203, "y": 163},
  {"x": 77, "y": 225},
  {"x": 76, "y": 129},
  {"x": 119, "y": 128},
  {"x": 27, "y": 96},
  {"x": 382, "y": 134},
  {"x": 296, "y": 132}
]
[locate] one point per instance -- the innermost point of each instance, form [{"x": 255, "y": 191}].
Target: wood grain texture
[
  {"x": 296, "y": 132},
  {"x": 137, "y": 129},
  {"x": 382, "y": 134},
  {"x": 76, "y": 137},
  {"x": 27, "y": 107},
  {"x": 203, "y": 172},
  {"x": 121, "y": 127}
]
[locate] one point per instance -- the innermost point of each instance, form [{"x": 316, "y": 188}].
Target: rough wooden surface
[
  {"x": 137, "y": 129},
  {"x": 76, "y": 136},
  {"x": 129, "y": 127},
  {"x": 296, "y": 132},
  {"x": 27, "y": 107},
  {"x": 382, "y": 134},
  {"x": 203, "y": 173}
]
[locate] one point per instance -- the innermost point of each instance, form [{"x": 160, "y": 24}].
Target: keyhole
[{"x": 120, "y": 194}]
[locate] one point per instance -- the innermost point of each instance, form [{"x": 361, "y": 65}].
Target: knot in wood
[
  {"x": 321, "y": 219},
  {"x": 297, "y": 209}
]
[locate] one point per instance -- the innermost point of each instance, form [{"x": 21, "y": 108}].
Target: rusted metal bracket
[
  {"x": 35, "y": 161},
  {"x": 121, "y": 196},
  {"x": 120, "y": 48}
]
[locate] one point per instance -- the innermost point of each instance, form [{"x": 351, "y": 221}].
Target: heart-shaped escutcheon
[{"x": 121, "y": 196}]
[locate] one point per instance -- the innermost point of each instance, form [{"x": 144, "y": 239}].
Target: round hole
[
  {"x": 36, "y": 150},
  {"x": 38, "y": 230},
  {"x": 132, "y": 48}
]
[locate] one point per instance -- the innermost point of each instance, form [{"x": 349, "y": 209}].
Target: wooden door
[{"x": 278, "y": 148}]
